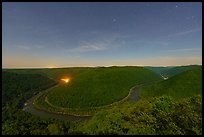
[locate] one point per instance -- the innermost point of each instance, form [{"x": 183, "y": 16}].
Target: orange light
[{"x": 65, "y": 80}]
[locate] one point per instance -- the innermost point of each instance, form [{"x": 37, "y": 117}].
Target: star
[
  {"x": 114, "y": 20},
  {"x": 191, "y": 17},
  {"x": 176, "y": 6}
]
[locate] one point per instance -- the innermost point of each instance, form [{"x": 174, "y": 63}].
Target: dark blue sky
[{"x": 101, "y": 34}]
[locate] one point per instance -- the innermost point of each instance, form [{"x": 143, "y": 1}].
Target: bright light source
[{"x": 65, "y": 80}]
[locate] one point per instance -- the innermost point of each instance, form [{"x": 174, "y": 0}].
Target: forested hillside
[
  {"x": 22, "y": 85},
  {"x": 149, "y": 116},
  {"x": 16, "y": 89},
  {"x": 155, "y": 116},
  {"x": 99, "y": 86},
  {"x": 185, "y": 84}
]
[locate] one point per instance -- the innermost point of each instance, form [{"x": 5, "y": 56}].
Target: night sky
[{"x": 101, "y": 34}]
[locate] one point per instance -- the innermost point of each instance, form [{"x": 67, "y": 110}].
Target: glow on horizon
[
  {"x": 161, "y": 63},
  {"x": 51, "y": 66},
  {"x": 157, "y": 61}
]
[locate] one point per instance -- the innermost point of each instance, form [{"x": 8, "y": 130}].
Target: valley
[{"x": 91, "y": 92}]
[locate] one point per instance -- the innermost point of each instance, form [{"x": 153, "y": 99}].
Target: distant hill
[
  {"x": 185, "y": 84},
  {"x": 159, "y": 70},
  {"x": 178, "y": 69},
  {"x": 171, "y": 70}
]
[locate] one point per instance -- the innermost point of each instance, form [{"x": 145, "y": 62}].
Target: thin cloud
[
  {"x": 186, "y": 49},
  {"x": 156, "y": 43},
  {"x": 87, "y": 47},
  {"x": 103, "y": 41},
  {"x": 182, "y": 33},
  {"x": 26, "y": 47},
  {"x": 38, "y": 46},
  {"x": 23, "y": 47},
  {"x": 170, "y": 61}
]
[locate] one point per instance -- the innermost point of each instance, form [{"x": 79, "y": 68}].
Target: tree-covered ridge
[
  {"x": 178, "y": 69},
  {"x": 155, "y": 116},
  {"x": 159, "y": 70},
  {"x": 14, "y": 85},
  {"x": 16, "y": 89},
  {"x": 185, "y": 84},
  {"x": 172, "y": 70},
  {"x": 99, "y": 87}
]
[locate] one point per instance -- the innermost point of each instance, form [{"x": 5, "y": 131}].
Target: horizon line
[{"x": 97, "y": 66}]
